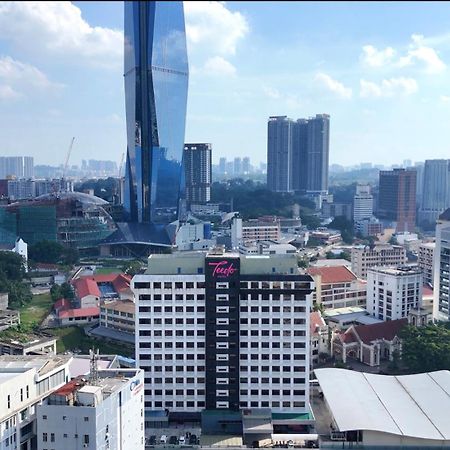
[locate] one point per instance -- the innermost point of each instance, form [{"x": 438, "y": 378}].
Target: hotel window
[
  {"x": 222, "y": 405},
  {"x": 222, "y": 285}
]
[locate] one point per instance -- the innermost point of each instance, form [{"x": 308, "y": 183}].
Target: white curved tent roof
[{"x": 408, "y": 405}]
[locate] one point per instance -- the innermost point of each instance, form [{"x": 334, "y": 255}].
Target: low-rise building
[
  {"x": 364, "y": 257},
  {"x": 79, "y": 316},
  {"x": 393, "y": 292},
  {"x": 337, "y": 287},
  {"x": 378, "y": 411},
  {"x": 369, "y": 227},
  {"x": 325, "y": 236},
  {"x": 425, "y": 261},
  {"x": 13, "y": 342},
  {"x": 118, "y": 315},
  {"x": 254, "y": 230},
  {"x": 25, "y": 383},
  {"x": 105, "y": 411},
  {"x": 369, "y": 344},
  {"x": 342, "y": 318}
]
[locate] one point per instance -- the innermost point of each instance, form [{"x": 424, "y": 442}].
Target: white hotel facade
[{"x": 223, "y": 331}]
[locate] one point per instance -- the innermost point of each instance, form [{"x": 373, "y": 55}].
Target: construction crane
[{"x": 67, "y": 158}]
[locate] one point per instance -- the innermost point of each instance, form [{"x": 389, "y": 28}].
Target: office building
[
  {"x": 104, "y": 411},
  {"x": 337, "y": 287},
  {"x": 298, "y": 154},
  {"x": 222, "y": 166},
  {"x": 156, "y": 83},
  {"x": 25, "y": 383},
  {"x": 369, "y": 227},
  {"x": 21, "y": 189},
  {"x": 246, "y": 166},
  {"x": 279, "y": 154},
  {"x": 198, "y": 175},
  {"x": 436, "y": 191},
  {"x": 237, "y": 166},
  {"x": 362, "y": 203},
  {"x": 393, "y": 292},
  {"x": 425, "y": 261},
  {"x": 397, "y": 198},
  {"x": 253, "y": 231},
  {"x": 223, "y": 331},
  {"x": 16, "y": 166},
  {"x": 441, "y": 263},
  {"x": 384, "y": 255}
]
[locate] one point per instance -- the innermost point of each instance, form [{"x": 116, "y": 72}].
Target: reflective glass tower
[{"x": 156, "y": 83}]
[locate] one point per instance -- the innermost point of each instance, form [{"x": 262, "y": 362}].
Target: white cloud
[
  {"x": 271, "y": 92},
  {"x": 333, "y": 85},
  {"x": 388, "y": 87},
  {"x": 445, "y": 98},
  {"x": 19, "y": 78},
  {"x": 212, "y": 27},
  {"x": 57, "y": 29},
  {"x": 377, "y": 58},
  {"x": 8, "y": 93},
  {"x": 219, "y": 66},
  {"x": 419, "y": 52}
]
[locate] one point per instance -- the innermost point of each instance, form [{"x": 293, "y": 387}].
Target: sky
[{"x": 380, "y": 69}]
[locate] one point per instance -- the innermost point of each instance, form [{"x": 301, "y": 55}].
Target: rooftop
[
  {"x": 122, "y": 306},
  {"x": 102, "y": 285},
  {"x": 383, "y": 330},
  {"x": 79, "y": 312},
  {"x": 397, "y": 271},
  {"x": 409, "y": 405},
  {"x": 43, "y": 364},
  {"x": 23, "y": 339},
  {"x": 334, "y": 274},
  {"x": 316, "y": 321}
]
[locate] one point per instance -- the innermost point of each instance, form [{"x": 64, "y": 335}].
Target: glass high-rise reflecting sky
[{"x": 156, "y": 83}]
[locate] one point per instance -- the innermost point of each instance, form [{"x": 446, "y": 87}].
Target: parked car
[
  {"x": 181, "y": 440},
  {"x": 163, "y": 439},
  {"x": 193, "y": 439},
  {"x": 173, "y": 440},
  {"x": 152, "y": 440}
]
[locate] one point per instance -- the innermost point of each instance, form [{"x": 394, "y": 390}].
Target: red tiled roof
[
  {"x": 79, "y": 312},
  {"x": 316, "y": 321},
  {"x": 70, "y": 387},
  {"x": 62, "y": 303},
  {"x": 333, "y": 274},
  {"x": 383, "y": 330},
  {"x": 86, "y": 286}
]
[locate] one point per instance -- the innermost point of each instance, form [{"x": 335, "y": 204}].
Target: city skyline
[{"x": 381, "y": 83}]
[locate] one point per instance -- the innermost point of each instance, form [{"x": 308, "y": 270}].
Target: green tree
[
  {"x": 19, "y": 294},
  {"x": 425, "y": 349},
  {"x": 11, "y": 265},
  {"x": 45, "y": 252},
  {"x": 70, "y": 256},
  {"x": 132, "y": 268},
  {"x": 345, "y": 226}
]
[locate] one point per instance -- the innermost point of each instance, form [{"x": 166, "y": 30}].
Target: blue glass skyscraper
[{"x": 156, "y": 83}]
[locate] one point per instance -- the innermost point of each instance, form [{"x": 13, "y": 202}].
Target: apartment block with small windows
[
  {"x": 105, "y": 412},
  {"x": 425, "y": 261},
  {"x": 385, "y": 255},
  {"x": 393, "y": 292},
  {"x": 223, "y": 331}
]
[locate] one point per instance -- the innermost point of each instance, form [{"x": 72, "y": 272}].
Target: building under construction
[{"x": 73, "y": 219}]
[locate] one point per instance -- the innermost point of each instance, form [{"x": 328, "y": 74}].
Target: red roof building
[
  {"x": 78, "y": 316},
  {"x": 369, "y": 343},
  {"x": 337, "y": 287}
]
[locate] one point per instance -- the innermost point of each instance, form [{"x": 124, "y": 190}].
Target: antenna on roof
[{"x": 93, "y": 374}]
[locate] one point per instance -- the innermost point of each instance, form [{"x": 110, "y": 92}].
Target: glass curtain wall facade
[{"x": 156, "y": 83}]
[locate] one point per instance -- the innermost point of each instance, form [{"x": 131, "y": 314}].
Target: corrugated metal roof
[{"x": 409, "y": 405}]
